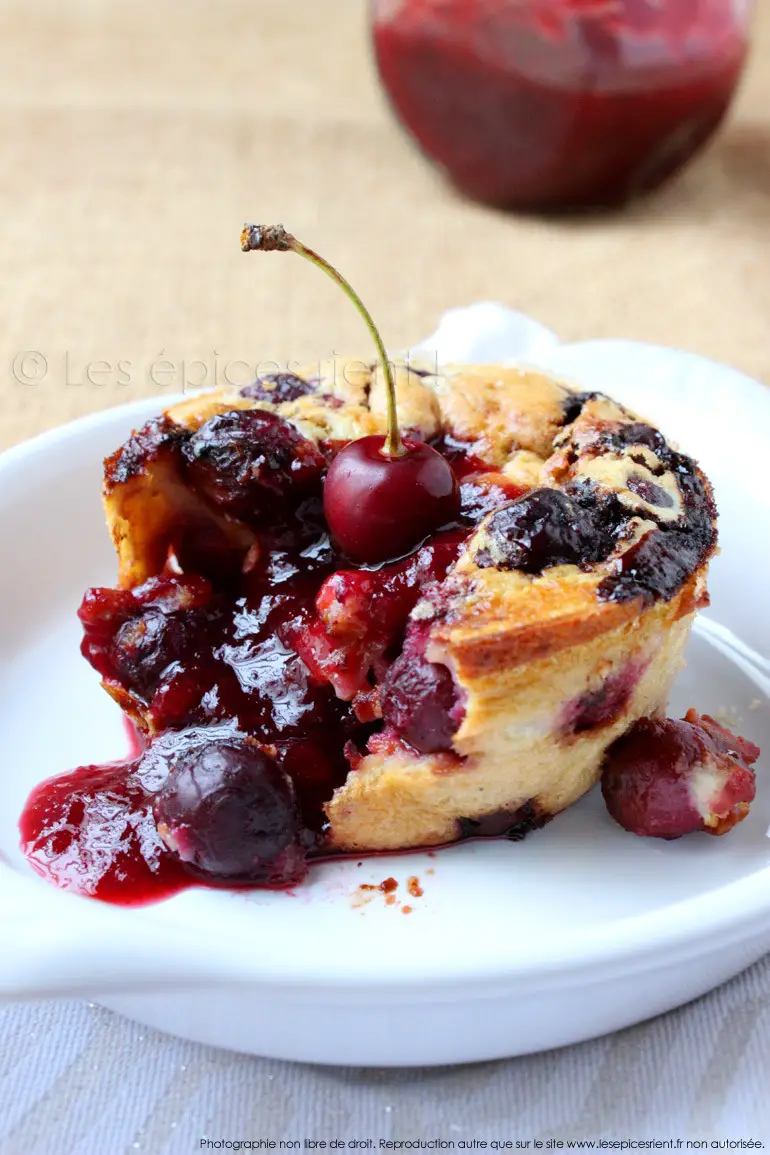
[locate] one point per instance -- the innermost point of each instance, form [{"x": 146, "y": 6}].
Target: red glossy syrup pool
[
  {"x": 265, "y": 656},
  {"x": 92, "y": 832}
]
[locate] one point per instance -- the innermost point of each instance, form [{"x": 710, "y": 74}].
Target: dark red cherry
[
  {"x": 278, "y": 387},
  {"x": 132, "y": 636},
  {"x": 544, "y": 528},
  {"x": 379, "y": 507},
  {"x": 246, "y": 460},
  {"x": 664, "y": 778},
  {"x": 420, "y": 699},
  {"x": 228, "y": 812},
  {"x": 383, "y": 495}
]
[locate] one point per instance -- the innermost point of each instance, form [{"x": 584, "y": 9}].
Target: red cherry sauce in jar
[{"x": 546, "y": 104}]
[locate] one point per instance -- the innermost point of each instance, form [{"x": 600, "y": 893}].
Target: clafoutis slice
[{"x": 295, "y": 704}]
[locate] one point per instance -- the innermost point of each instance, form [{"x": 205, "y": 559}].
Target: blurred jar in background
[{"x": 560, "y": 103}]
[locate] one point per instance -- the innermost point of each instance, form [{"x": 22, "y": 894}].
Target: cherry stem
[{"x": 274, "y": 238}]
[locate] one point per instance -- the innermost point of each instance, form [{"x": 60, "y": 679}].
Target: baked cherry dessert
[{"x": 371, "y": 607}]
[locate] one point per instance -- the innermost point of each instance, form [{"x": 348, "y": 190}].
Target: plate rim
[{"x": 690, "y": 927}]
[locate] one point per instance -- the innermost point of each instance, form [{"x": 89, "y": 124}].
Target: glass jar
[{"x": 560, "y": 103}]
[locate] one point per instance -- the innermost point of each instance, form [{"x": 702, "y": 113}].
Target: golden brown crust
[
  {"x": 499, "y": 618},
  {"x": 506, "y": 417},
  {"x": 496, "y": 627},
  {"x": 497, "y": 410}
]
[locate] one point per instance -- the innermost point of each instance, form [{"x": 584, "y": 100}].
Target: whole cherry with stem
[{"x": 382, "y": 495}]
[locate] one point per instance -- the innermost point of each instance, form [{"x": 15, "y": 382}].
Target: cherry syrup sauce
[{"x": 204, "y": 664}]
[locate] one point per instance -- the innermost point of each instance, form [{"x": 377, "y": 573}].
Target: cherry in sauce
[
  {"x": 379, "y": 506},
  {"x": 289, "y": 655}
]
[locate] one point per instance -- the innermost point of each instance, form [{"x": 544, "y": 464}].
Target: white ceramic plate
[{"x": 579, "y": 930}]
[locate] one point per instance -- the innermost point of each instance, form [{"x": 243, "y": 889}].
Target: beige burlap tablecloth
[{"x": 135, "y": 137}]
